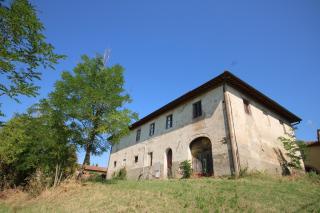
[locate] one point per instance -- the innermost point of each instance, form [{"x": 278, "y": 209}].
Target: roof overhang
[{"x": 230, "y": 79}]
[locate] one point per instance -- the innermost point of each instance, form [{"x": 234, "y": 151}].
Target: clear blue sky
[{"x": 170, "y": 47}]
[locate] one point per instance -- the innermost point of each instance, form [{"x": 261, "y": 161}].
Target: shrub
[
  {"x": 36, "y": 183},
  {"x": 120, "y": 175},
  {"x": 31, "y": 144},
  {"x": 296, "y": 151},
  {"x": 185, "y": 167}
]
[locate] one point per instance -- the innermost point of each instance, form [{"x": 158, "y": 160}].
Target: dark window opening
[
  {"x": 136, "y": 159},
  {"x": 115, "y": 164},
  {"x": 283, "y": 126},
  {"x": 169, "y": 121},
  {"x": 150, "y": 158},
  {"x": 138, "y": 134},
  {"x": 151, "y": 130},
  {"x": 246, "y": 105},
  {"x": 197, "y": 109}
]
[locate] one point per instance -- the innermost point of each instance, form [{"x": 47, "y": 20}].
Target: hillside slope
[{"x": 254, "y": 193}]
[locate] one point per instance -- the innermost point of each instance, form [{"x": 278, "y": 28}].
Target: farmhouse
[
  {"x": 223, "y": 126},
  {"x": 312, "y": 161}
]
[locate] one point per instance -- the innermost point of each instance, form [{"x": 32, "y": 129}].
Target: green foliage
[
  {"x": 92, "y": 99},
  {"x": 185, "y": 167},
  {"x": 34, "y": 143},
  {"x": 120, "y": 175},
  {"x": 295, "y": 151},
  {"x": 23, "y": 49}
]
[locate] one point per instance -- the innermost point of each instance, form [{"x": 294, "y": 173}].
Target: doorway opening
[
  {"x": 201, "y": 151},
  {"x": 169, "y": 163}
]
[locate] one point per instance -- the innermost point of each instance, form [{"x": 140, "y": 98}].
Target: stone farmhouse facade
[{"x": 223, "y": 126}]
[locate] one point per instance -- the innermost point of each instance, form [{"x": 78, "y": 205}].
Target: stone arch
[
  {"x": 202, "y": 160},
  {"x": 168, "y": 156}
]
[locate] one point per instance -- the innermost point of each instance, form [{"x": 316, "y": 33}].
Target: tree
[
  {"x": 35, "y": 143},
  {"x": 23, "y": 50},
  {"x": 92, "y": 99},
  {"x": 295, "y": 151}
]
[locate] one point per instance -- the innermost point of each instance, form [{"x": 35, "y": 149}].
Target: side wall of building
[
  {"x": 313, "y": 159},
  {"x": 212, "y": 124},
  {"x": 256, "y": 134}
]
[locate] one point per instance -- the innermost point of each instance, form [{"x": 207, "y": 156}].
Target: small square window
[
  {"x": 136, "y": 158},
  {"x": 246, "y": 105},
  {"x": 169, "y": 121},
  {"x": 138, "y": 135},
  {"x": 151, "y": 130},
  {"x": 197, "y": 109},
  {"x": 115, "y": 164}
]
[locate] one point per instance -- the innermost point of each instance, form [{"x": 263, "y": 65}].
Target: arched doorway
[
  {"x": 201, "y": 151},
  {"x": 169, "y": 163}
]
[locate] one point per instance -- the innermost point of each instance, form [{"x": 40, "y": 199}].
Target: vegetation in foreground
[{"x": 255, "y": 193}]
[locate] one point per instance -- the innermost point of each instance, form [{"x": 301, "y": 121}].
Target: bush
[
  {"x": 296, "y": 151},
  {"x": 32, "y": 144},
  {"x": 185, "y": 167},
  {"x": 120, "y": 175},
  {"x": 36, "y": 183}
]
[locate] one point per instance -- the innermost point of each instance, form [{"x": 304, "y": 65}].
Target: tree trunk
[
  {"x": 86, "y": 160},
  {"x": 90, "y": 142}
]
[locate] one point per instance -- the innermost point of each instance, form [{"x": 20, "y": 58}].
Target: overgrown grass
[{"x": 253, "y": 193}]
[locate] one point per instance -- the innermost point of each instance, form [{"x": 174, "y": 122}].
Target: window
[
  {"x": 246, "y": 105},
  {"x": 138, "y": 135},
  {"x": 283, "y": 126},
  {"x": 150, "y": 154},
  {"x": 136, "y": 159},
  {"x": 267, "y": 116},
  {"x": 169, "y": 121},
  {"x": 197, "y": 110},
  {"x": 115, "y": 164},
  {"x": 151, "y": 130}
]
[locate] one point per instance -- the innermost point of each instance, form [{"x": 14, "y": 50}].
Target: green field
[{"x": 256, "y": 193}]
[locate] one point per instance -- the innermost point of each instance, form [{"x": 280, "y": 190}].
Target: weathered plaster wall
[
  {"x": 185, "y": 129},
  {"x": 257, "y": 134},
  {"x": 313, "y": 157}
]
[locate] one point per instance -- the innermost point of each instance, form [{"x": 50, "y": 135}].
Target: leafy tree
[
  {"x": 35, "y": 143},
  {"x": 92, "y": 99},
  {"x": 296, "y": 151},
  {"x": 23, "y": 49}
]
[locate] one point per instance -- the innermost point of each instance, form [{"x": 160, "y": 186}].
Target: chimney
[{"x": 318, "y": 134}]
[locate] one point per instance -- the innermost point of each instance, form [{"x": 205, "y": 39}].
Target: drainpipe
[{"x": 233, "y": 142}]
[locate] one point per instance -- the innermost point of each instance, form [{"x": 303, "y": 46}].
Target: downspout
[
  {"x": 231, "y": 134},
  {"x": 143, "y": 161}
]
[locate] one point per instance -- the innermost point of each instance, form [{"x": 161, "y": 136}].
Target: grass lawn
[{"x": 255, "y": 193}]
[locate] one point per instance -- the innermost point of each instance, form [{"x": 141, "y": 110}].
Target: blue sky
[{"x": 170, "y": 47}]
